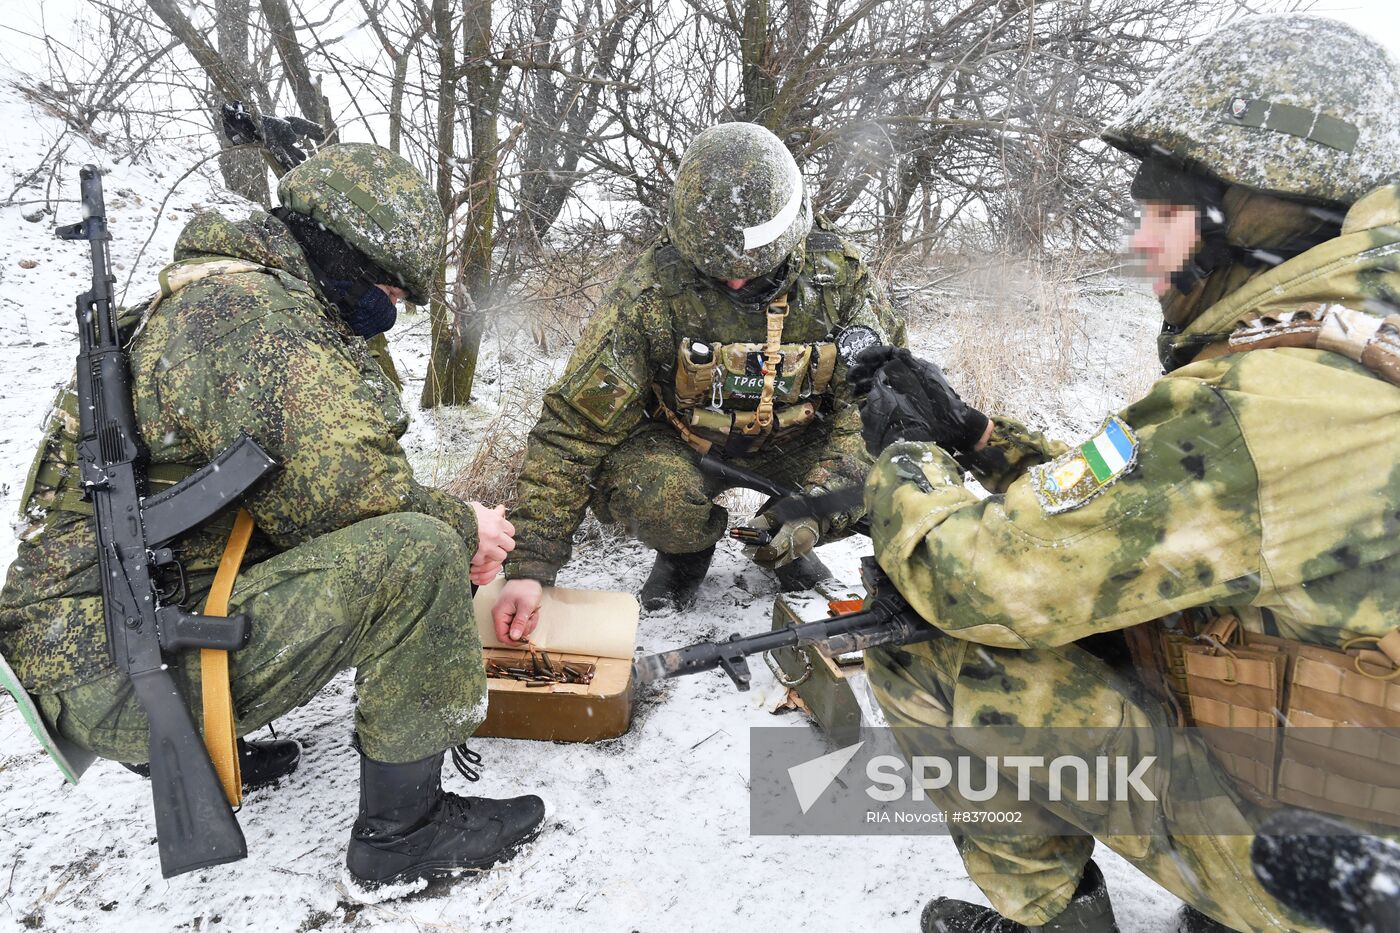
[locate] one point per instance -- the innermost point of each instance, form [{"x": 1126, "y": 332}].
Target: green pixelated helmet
[
  {"x": 378, "y": 203},
  {"x": 1294, "y": 105},
  {"x": 739, "y": 206}
]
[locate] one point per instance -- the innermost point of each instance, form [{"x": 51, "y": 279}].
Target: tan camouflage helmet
[
  {"x": 1292, "y": 104},
  {"x": 377, "y": 202},
  {"x": 739, "y": 206}
]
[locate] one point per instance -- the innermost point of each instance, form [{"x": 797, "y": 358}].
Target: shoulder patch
[
  {"x": 601, "y": 393},
  {"x": 1072, "y": 479}
]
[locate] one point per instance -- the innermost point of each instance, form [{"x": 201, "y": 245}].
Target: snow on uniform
[
  {"x": 1263, "y": 484},
  {"x": 601, "y": 441},
  {"x": 354, "y": 563}
]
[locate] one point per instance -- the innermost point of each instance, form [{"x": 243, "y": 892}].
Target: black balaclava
[
  {"x": 1243, "y": 234},
  {"x": 347, "y": 276},
  {"x": 761, "y": 290}
]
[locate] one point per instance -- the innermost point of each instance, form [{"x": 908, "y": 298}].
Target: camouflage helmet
[
  {"x": 1295, "y": 105},
  {"x": 739, "y": 206},
  {"x": 378, "y": 203}
]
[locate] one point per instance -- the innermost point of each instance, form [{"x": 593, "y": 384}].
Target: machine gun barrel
[{"x": 886, "y": 620}]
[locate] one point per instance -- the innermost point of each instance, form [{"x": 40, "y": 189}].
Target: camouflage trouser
[
  {"x": 388, "y": 596},
  {"x": 651, "y": 484},
  {"x": 926, "y": 690}
]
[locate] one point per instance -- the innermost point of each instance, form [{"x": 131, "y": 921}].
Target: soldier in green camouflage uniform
[
  {"x": 1260, "y": 483},
  {"x": 259, "y": 328},
  {"x": 694, "y": 307}
]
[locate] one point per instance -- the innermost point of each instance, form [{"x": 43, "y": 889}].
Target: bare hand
[
  {"x": 517, "y": 610},
  {"x": 495, "y": 537}
]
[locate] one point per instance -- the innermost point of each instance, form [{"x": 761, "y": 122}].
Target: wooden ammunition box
[
  {"x": 559, "y": 712},
  {"x": 820, "y": 681}
]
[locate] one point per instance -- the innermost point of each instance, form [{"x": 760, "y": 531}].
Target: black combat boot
[
  {"x": 260, "y": 762},
  {"x": 802, "y": 574},
  {"x": 409, "y": 828},
  {"x": 1089, "y": 911},
  {"x": 675, "y": 580}
]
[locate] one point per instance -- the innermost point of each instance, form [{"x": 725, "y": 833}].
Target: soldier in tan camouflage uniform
[
  {"x": 259, "y": 327},
  {"x": 674, "y": 362},
  {"x": 1252, "y": 492}
]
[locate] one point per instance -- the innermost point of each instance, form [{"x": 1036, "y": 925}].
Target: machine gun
[
  {"x": 195, "y": 826},
  {"x": 886, "y": 618}
]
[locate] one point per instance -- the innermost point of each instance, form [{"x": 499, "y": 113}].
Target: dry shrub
[
  {"x": 562, "y": 292},
  {"x": 1036, "y": 341},
  {"x": 494, "y": 470},
  {"x": 1015, "y": 340}
]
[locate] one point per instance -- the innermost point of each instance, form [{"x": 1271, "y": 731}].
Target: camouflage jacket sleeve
[
  {"x": 1012, "y": 450},
  {"x": 1179, "y": 526},
  {"x": 598, "y": 401},
  {"x": 844, "y": 460},
  {"x": 289, "y": 380}
]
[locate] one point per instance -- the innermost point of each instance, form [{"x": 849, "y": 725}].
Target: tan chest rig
[
  {"x": 740, "y": 396},
  {"x": 1275, "y": 710}
]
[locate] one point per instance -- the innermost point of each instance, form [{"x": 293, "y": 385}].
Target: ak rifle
[
  {"x": 886, "y": 618},
  {"x": 195, "y": 826}
]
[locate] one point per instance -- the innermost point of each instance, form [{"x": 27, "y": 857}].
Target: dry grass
[
  {"x": 494, "y": 470},
  {"x": 560, "y": 297},
  {"x": 1018, "y": 334},
  {"x": 1023, "y": 338}
]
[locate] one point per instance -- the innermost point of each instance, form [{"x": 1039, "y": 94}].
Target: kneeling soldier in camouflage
[
  {"x": 1250, "y": 499},
  {"x": 260, "y": 327},
  {"x": 723, "y": 336}
]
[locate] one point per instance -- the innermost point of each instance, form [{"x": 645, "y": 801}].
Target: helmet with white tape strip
[{"x": 739, "y": 206}]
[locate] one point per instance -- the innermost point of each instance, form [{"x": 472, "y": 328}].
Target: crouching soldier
[
  {"x": 260, "y": 327},
  {"x": 1240, "y": 518},
  {"x": 723, "y": 336}
]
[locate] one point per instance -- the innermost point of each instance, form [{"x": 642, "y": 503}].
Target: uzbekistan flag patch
[{"x": 1071, "y": 480}]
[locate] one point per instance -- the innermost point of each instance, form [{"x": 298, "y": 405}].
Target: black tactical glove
[
  {"x": 861, "y": 373},
  {"x": 909, "y": 399}
]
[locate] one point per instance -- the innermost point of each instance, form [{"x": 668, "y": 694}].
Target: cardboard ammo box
[
  {"x": 820, "y": 681},
  {"x": 591, "y": 631}
]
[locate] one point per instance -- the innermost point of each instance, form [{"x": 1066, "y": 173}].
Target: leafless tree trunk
[
  {"x": 244, "y": 172},
  {"x": 308, "y": 95}
]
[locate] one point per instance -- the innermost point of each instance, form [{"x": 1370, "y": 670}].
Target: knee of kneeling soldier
[
  {"x": 684, "y": 529},
  {"x": 420, "y": 544}
]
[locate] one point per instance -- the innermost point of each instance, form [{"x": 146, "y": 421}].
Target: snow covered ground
[{"x": 648, "y": 832}]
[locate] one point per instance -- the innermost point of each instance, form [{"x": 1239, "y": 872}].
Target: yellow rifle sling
[{"x": 220, "y": 735}]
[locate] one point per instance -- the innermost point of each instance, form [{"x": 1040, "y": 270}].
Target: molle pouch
[
  {"x": 823, "y": 366},
  {"x": 741, "y": 365},
  {"x": 695, "y": 373},
  {"x": 1236, "y": 699},
  {"x": 1341, "y": 750},
  {"x": 797, "y": 361},
  {"x": 1159, "y": 648},
  {"x": 793, "y": 417},
  {"x": 712, "y": 425},
  {"x": 741, "y": 369}
]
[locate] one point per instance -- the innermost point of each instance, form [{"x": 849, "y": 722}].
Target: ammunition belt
[{"x": 1372, "y": 341}]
